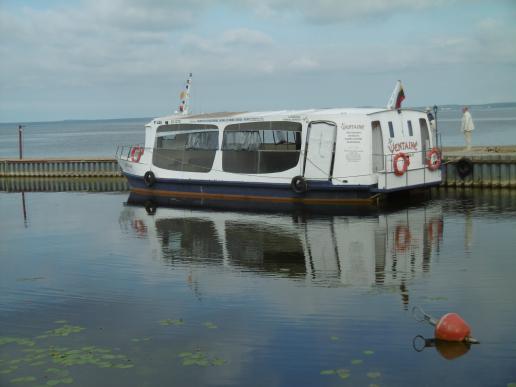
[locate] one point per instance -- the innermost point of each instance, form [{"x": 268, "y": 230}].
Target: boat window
[
  {"x": 261, "y": 147},
  {"x": 409, "y": 124},
  {"x": 186, "y": 149},
  {"x": 391, "y": 129}
]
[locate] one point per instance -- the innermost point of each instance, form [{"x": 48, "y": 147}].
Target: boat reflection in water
[{"x": 385, "y": 250}]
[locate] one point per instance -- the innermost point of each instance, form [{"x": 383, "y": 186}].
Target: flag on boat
[{"x": 397, "y": 97}]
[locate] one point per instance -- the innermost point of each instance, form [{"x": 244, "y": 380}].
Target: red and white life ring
[
  {"x": 402, "y": 238},
  {"x": 136, "y": 154},
  {"x": 433, "y": 159},
  {"x": 406, "y": 162}
]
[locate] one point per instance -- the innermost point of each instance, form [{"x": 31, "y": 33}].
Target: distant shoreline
[{"x": 495, "y": 105}]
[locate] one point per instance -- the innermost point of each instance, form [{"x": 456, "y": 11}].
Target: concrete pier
[
  {"x": 63, "y": 184},
  {"x": 490, "y": 167},
  {"x": 60, "y": 167}
]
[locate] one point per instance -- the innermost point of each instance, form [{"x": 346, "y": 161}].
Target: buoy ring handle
[
  {"x": 136, "y": 154},
  {"x": 406, "y": 162},
  {"x": 433, "y": 159}
]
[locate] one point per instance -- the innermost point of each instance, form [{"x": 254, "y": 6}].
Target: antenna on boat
[
  {"x": 185, "y": 96},
  {"x": 397, "y": 96}
]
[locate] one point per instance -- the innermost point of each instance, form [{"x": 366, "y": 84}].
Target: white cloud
[
  {"x": 246, "y": 37},
  {"x": 336, "y": 11}
]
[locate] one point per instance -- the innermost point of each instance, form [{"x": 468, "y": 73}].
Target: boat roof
[{"x": 235, "y": 116}]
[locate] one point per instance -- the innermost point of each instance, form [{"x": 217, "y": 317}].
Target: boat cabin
[{"x": 383, "y": 149}]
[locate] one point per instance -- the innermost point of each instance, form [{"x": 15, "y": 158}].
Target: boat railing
[{"x": 417, "y": 168}]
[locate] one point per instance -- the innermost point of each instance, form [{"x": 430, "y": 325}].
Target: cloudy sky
[{"x": 128, "y": 58}]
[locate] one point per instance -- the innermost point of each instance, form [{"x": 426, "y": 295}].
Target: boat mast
[{"x": 185, "y": 96}]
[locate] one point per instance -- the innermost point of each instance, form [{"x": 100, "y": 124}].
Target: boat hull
[{"x": 223, "y": 194}]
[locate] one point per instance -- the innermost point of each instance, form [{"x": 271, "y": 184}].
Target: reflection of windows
[
  {"x": 270, "y": 248},
  {"x": 186, "y": 147},
  {"x": 189, "y": 239},
  {"x": 261, "y": 147}
]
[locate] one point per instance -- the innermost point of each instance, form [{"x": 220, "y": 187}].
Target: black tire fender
[
  {"x": 298, "y": 184},
  {"x": 464, "y": 167},
  {"x": 149, "y": 178}
]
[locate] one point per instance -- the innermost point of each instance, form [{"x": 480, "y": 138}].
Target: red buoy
[{"x": 451, "y": 327}]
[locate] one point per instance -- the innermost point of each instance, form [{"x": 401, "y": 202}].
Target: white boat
[{"x": 284, "y": 158}]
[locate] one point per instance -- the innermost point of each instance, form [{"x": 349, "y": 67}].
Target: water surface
[{"x": 95, "y": 292}]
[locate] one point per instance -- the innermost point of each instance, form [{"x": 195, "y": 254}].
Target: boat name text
[{"x": 403, "y": 146}]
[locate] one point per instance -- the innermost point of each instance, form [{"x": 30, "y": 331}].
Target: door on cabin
[
  {"x": 377, "y": 146},
  {"x": 320, "y": 150}
]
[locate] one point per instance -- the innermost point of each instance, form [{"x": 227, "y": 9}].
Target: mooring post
[
  {"x": 20, "y": 140},
  {"x": 436, "y": 130}
]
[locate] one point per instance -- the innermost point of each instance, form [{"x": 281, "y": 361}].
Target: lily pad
[
  {"x": 356, "y": 361},
  {"x": 334, "y": 338},
  {"x": 24, "y": 379},
  {"x": 343, "y": 373},
  {"x": 368, "y": 352},
  {"x": 123, "y": 366},
  {"x": 374, "y": 375},
  {"x": 328, "y": 372},
  {"x": 218, "y": 362},
  {"x": 210, "y": 325},
  {"x": 175, "y": 322},
  {"x": 201, "y": 359},
  {"x": 65, "y": 330}
]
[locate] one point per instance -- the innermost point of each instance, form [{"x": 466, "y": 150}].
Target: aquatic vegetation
[
  {"x": 374, "y": 375},
  {"x": 139, "y": 340},
  {"x": 201, "y": 359},
  {"x": 368, "y": 352},
  {"x": 23, "y": 379},
  {"x": 334, "y": 338},
  {"x": 65, "y": 330},
  {"x": 356, "y": 361},
  {"x": 167, "y": 322},
  {"x": 16, "y": 340},
  {"x": 343, "y": 373},
  {"x": 53, "y": 361},
  {"x": 210, "y": 325}
]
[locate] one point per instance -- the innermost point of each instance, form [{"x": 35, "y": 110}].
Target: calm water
[
  {"x": 97, "y": 293},
  {"x": 100, "y": 138}
]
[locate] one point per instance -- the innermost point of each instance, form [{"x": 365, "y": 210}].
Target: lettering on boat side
[
  {"x": 351, "y": 126},
  {"x": 402, "y": 146}
]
